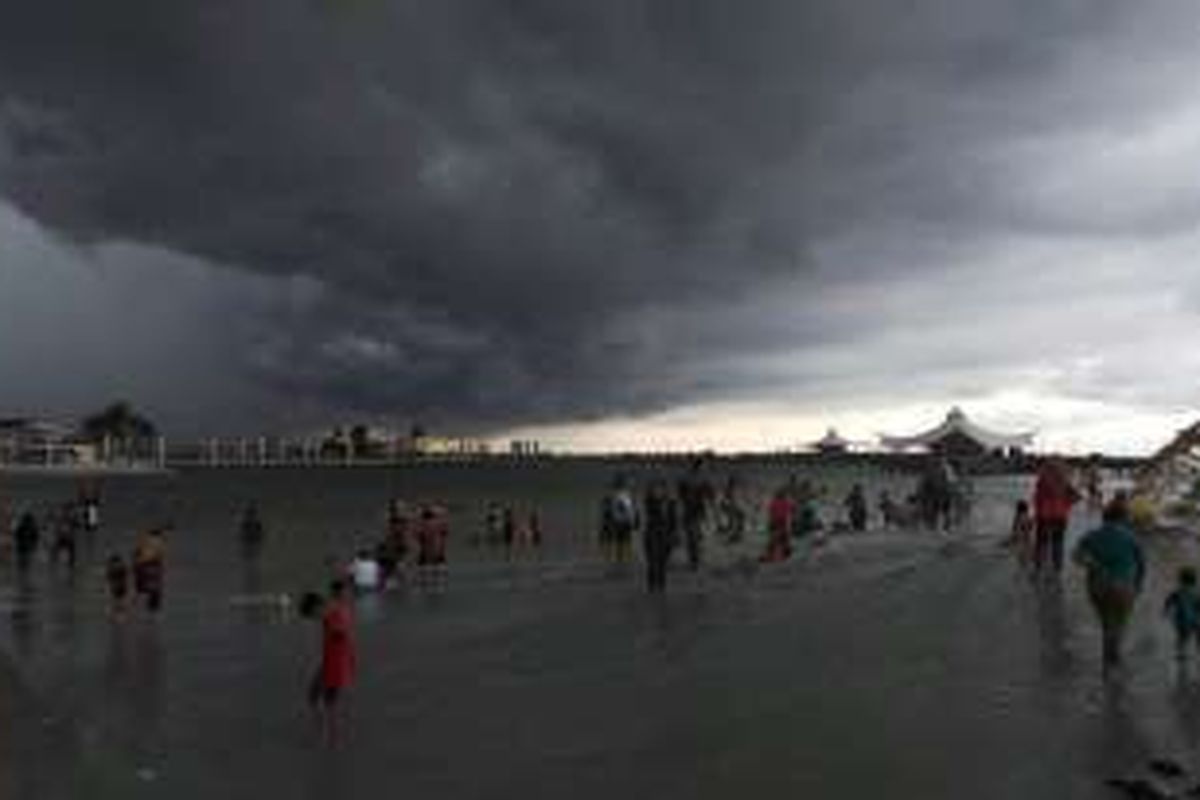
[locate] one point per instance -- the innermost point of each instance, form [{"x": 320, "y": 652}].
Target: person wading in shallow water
[
  {"x": 1116, "y": 569},
  {"x": 732, "y": 514},
  {"x": 780, "y": 514},
  {"x": 338, "y": 660},
  {"x": 856, "y": 508},
  {"x": 695, "y": 496},
  {"x": 1053, "y": 498},
  {"x": 658, "y": 534},
  {"x": 26, "y": 539},
  {"x": 618, "y": 521},
  {"x": 252, "y": 532},
  {"x": 149, "y": 568}
]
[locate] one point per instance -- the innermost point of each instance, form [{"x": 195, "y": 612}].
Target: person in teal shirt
[
  {"x": 1182, "y": 607},
  {"x": 1116, "y": 569}
]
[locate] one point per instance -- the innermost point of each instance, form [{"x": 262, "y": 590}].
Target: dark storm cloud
[{"x": 540, "y": 210}]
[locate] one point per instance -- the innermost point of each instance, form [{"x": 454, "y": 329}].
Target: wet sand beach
[{"x": 884, "y": 664}]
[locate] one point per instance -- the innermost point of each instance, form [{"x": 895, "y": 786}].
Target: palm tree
[{"x": 118, "y": 421}]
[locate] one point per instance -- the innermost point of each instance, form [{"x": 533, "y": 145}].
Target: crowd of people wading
[
  {"x": 671, "y": 516},
  {"x": 668, "y": 516}
]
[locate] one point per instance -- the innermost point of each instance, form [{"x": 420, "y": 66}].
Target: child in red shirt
[{"x": 338, "y": 659}]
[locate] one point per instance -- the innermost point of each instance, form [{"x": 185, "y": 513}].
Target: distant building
[
  {"x": 36, "y": 440},
  {"x": 426, "y": 445},
  {"x": 832, "y": 444},
  {"x": 524, "y": 447},
  {"x": 959, "y": 437},
  {"x": 1172, "y": 474}
]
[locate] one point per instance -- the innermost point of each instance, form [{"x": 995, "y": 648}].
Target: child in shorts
[{"x": 1182, "y": 607}]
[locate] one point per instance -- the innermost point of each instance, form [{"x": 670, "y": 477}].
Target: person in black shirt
[
  {"x": 660, "y": 522},
  {"x": 27, "y": 536},
  {"x": 856, "y": 508},
  {"x": 253, "y": 532},
  {"x": 695, "y": 496},
  {"x": 66, "y": 528}
]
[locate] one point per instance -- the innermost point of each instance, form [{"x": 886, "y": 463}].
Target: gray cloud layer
[{"x": 543, "y": 210}]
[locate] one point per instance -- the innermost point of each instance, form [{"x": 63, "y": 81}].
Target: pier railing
[{"x": 161, "y": 453}]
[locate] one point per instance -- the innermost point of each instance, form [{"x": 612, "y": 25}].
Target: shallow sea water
[{"x": 881, "y": 665}]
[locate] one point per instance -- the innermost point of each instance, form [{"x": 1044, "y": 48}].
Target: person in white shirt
[{"x": 364, "y": 571}]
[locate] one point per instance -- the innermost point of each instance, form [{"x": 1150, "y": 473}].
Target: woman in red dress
[{"x": 337, "y": 659}]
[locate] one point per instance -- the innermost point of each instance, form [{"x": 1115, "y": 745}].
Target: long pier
[{"x": 162, "y": 454}]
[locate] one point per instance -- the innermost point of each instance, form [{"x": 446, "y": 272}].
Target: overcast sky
[{"x": 608, "y": 224}]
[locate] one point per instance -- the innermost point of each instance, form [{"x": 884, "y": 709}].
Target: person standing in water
[
  {"x": 695, "y": 497},
  {"x": 1023, "y": 536},
  {"x": 493, "y": 524},
  {"x": 252, "y": 533},
  {"x": 890, "y": 512},
  {"x": 149, "y": 568},
  {"x": 89, "y": 506},
  {"x": 66, "y": 528},
  {"x": 1053, "y": 498},
  {"x": 116, "y": 575},
  {"x": 338, "y": 660},
  {"x": 365, "y": 572},
  {"x": 1182, "y": 607},
  {"x": 659, "y": 531},
  {"x": 856, "y": 509},
  {"x": 26, "y": 538},
  {"x": 510, "y": 530},
  {"x": 1093, "y": 482},
  {"x": 618, "y": 521},
  {"x": 433, "y": 530},
  {"x": 6, "y": 529},
  {"x": 535, "y": 528},
  {"x": 1116, "y": 569},
  {"x": 399, "y": 529},
  {"x": 732, "y": 515},
  {"x": 780, "y": 515}
]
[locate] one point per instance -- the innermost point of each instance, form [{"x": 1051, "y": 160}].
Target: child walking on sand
[{"x": 1182, "y": 607}]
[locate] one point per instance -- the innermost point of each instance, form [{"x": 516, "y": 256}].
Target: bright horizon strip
[{"x": 1061, "y": 425}]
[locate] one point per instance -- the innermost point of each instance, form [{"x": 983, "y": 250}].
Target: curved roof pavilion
[
  {"x": 957, "y": 427},
  {"x": 831, "y": 442}
]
